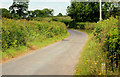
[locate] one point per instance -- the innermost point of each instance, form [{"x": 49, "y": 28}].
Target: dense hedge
[
  {"x": 65, "y": 20},
  {"x": 19, "y": 32},
  {"x": 107, "y": 32}
]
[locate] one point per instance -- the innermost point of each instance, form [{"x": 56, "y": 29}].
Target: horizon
[{"x": 58, "y": 7}]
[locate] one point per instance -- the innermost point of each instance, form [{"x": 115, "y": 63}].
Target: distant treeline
[
  {"x": 36, "y": 13},
  {"x": 20, "y": 10}
]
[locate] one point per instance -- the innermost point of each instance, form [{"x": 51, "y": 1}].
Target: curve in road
[{"x": 57, "y": 59}]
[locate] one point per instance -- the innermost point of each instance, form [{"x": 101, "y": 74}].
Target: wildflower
[
  {"x": 99, "y": 74},
  {"x": 95, "y": 63},
  {"x": 86, "y": 60}
]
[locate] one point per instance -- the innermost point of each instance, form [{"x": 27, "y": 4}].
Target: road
[{"x": 57, "y": 59}]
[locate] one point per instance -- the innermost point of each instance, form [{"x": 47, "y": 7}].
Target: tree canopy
[
  {"x": 42, "y": 13},
  {"x": 5, "y": 13},
  {"x": 19, "y": 7},
  {"x": 60, "y": 14},
  {"x": 89, "y": 11}
]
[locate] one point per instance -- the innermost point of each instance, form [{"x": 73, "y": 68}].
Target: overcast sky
[{"x": 58, "y": 6}]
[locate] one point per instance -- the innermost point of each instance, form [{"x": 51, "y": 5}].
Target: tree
[
  {"x": 38, "y": 13},
  {"x": 42, "y": 13},
  {"x": 5, "y": 13},
  {"x": 48, "y": 12},
  {"x": 60, "y": 14},
  {"x": 19, "y": 7},
  {"x": 89, "y": 11},
  {"x": 110, "y": 9},
  {"x": 84, "y": 11}
]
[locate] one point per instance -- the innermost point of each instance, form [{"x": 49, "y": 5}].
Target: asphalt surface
[{"x": 57, "y": 59}]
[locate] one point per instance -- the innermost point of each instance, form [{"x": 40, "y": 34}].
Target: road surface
[{"x": 57, "y": 59}]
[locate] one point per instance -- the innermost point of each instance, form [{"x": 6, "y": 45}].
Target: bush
[
  {"x": 101, "y": 55},
  {"x": 20, "y": 32},
  {"x": 65, "y": 19},
  {"x": 107, "y": 32},
  {"x": 81, "y": 25}
]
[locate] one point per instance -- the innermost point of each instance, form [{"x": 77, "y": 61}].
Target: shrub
[
  {"x": 107, "y": 31},
  {"x": 103, "y": 48},
  {"x": 20, "y": 32}
]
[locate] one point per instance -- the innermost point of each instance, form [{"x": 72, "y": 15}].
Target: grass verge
[
  {"x": 34, "y": 45},
  {"x": 92, "y": 59}
]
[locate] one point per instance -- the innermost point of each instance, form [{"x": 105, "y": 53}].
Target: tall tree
[
  {"x": 89, "y": 11},
  {"x": 42, "y": 13},
  {"x": 48, "y": 12},
  {"x": 60, "y": 14},
  {"x": 84, "y": 11},
  {"x": 19, "y": 7}
]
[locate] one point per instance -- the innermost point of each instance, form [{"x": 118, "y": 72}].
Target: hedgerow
[
  {"x": 107, "y": 31},
  {"x": 16, "y": 33},
  {"x": 103, "y": 48}
]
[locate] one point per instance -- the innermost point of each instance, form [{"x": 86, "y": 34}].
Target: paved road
[{"x": 57, "y": 59}]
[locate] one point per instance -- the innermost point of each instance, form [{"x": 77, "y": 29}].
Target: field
[
  {"x": 65, "y": 19},
  {"x": 21, "y": 36},
  {"x": 101, "y": 54}
]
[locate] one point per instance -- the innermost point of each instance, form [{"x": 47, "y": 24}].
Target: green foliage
[
  {"x": 110, "y": 9},
  {"x": 91, "y": 59},
  {"x": 64, "y": 19},
  {"x": 20, "y": 8},
  {"x": 84, "y": 11},
  {"x": 21, "y": 32},
  {"x": 107, "y": 32},
  {"x": 42, "y": 13},
  {"x": 60, "y": 14},
  {"x": 81, "y": 25},
  {"x": 5, "y": 13},
  {"x": 89, "y": 11},
  {"x": 103, "y": 47}
]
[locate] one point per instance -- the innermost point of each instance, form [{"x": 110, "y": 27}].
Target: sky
[{"x": 58, "y": 6}]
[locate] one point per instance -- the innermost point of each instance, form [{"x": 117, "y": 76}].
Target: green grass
[
  {"x": 91, "y": 59},
  {"x": 100, "y": 55},
  {"x": 13, "y": 52}
]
